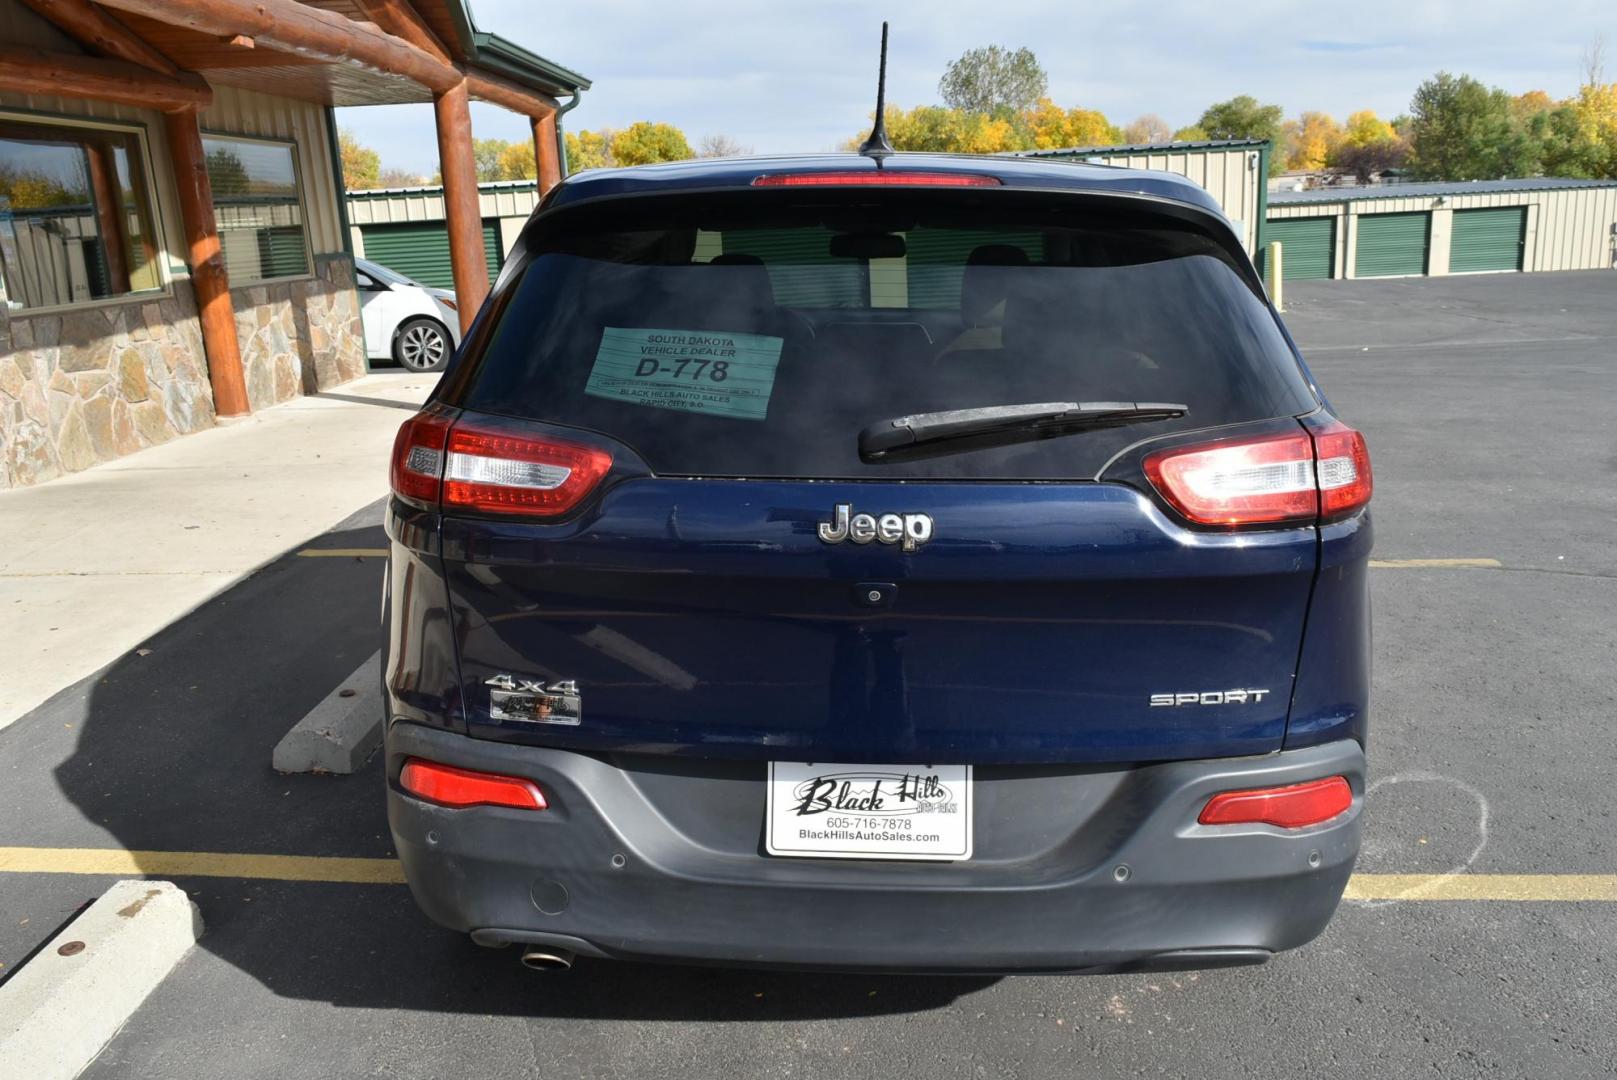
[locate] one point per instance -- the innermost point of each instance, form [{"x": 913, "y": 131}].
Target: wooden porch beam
[
  {"x": 545, "y": 153},
  {"x": 509, "y": 95},
  {"x": 87, "y": 24},
  {"x": 209, "y": 279},
  {"x": 402, "y": 21},
  {"x": 307, "y": 31},
  {"x": 462, "y": 214},
  {"x": 29, "y": 71}
]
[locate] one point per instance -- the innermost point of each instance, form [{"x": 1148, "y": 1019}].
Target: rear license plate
[{"x": 829, "y": 811}]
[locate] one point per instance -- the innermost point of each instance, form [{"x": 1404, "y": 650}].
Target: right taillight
[
  {"x": 1321, "y": 475},
  {"x": 1344, "y": 471}
]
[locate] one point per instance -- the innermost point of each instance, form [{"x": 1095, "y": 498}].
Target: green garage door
[
  {"x": 1392, "y": 244},
  {"x": 1307, "y": 246},
  {"x": 420, "y": 250},
  {"x": 1488, "y": 239}
]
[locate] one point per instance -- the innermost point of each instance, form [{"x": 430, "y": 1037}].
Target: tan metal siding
[
  {"x": 1226, "y": 174},
  {"x": 246, "y": 112}
]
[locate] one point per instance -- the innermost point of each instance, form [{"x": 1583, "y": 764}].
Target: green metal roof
[{"x": 507, "y": 58}]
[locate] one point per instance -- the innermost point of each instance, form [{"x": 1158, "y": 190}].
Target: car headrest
[
  {"x": 983, "y": 286},
  {"x": 746, "y": 279}
]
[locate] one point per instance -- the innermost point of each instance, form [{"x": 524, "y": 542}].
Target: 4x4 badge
[
  {"x": 530, "y": 701},
  {"x": 909, "y": 531}
]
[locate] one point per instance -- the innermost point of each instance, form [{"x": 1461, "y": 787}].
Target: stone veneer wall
[
  {"x": 78, "y": 387},
  {"x": 88, "y": 385},
  {"x": 302, "y": 336}
]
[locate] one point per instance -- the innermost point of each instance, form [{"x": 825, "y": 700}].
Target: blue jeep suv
[{"x": 939, "y": 563}]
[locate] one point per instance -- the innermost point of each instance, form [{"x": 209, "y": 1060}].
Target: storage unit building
[
  {"x": 1484, "y": 226},
  {"x": 404, "y": 228},
  {"x": 1232, "y": 171}
]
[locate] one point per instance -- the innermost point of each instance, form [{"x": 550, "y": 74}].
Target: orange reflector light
[
  {"x": 876, "y": 178},
  {"x": 459, "y": 788},
  {"x": 1294, "y": 807}
]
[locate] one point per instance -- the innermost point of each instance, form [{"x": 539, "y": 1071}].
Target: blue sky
[{"x": 789, "y": 76}]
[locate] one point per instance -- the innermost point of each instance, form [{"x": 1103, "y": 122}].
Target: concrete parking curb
[
  {"x": 339, "y": 734},
  {"x": 65, "y": 1004}
]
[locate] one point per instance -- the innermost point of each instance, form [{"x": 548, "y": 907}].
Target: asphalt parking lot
[{"x": 1488, "y": 405}]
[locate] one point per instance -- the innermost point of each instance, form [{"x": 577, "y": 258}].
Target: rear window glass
[{"x": 751, "y": 336}]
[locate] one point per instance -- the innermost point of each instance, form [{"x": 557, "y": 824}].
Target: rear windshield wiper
[{"x": 997, "y": 425}]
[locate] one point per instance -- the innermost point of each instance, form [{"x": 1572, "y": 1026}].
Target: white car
[{"x": 414, "y": 325}]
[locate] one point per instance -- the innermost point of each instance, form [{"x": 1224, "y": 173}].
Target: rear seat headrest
[
  {"x": 982, "y": 289},
  {"x": 749, "y": 279}
]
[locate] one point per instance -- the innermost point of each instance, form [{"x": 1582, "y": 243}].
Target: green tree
[
  {"x": 644, "y": 142},
  {"x": 1242, "y": 117},
  {"x": 994, "y": 78},
  {"x": 361, "y": 165},
  {"x": 1460, "y": 129},
  {"x": 486, "y": 153},
  {"x": 1192, "y": 133}
]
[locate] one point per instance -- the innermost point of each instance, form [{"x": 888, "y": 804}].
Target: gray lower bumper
[{"x": 663, "y": 860}]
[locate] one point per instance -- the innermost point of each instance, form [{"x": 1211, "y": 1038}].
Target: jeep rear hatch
[{"x": 665, "y": 408}]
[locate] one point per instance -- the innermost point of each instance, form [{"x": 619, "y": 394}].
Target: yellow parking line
[
  {"x": 1441, "y": 564},
  {"x": 345, "y": 871},
  {"x": 1483, "y": 887},
  {"x": 344, "y": 553},
  {"x": 31, "y": 860}
]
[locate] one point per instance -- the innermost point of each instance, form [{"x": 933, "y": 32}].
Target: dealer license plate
[{"x": 825, "y": 811}]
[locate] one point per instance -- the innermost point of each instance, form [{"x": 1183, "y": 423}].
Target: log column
[
  {"x": 209, "y": 280},
  {"x": 461, "y": 211},
  {"x": 545, "y": 154}
]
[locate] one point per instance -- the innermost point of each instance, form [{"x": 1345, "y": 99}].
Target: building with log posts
[{"x": 174, "y": 244}]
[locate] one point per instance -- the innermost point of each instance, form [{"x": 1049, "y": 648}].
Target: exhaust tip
[{"x": 538, "y": 959}]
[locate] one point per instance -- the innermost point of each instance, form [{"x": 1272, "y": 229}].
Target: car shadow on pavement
[{"x": 173, "y": 755}]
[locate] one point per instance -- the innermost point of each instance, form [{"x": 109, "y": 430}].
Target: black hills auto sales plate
[{"x": 826, "y": 811}]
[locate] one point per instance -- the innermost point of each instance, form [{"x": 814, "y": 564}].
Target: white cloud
[{"x": 793, "y": 76}]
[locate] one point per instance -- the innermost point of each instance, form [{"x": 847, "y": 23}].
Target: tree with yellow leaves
[
  {"x": 516, "y": 162},
  {"x": 1310, "y": 140},
  {"x": 589, "y": 149}
]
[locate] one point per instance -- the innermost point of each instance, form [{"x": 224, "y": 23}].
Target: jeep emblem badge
[{"x": 908, "y": 531}]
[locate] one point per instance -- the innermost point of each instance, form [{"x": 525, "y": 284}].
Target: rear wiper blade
[{"x": 1001, "y": 424}]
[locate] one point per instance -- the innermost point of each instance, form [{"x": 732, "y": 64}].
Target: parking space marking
[
  {"x": 1442, "y": 564},
  {"x": 366, "y": 871},
  {"x": 1563, "y": 887},
  {"x": 343, "y": 553},
  {"x": 116, "y": 861}
]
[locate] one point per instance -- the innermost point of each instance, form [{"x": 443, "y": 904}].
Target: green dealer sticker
[{"x": 688, "y": 370}]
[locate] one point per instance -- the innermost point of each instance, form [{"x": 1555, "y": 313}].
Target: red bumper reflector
[
  {"x": 449, "y": 786},
  {"x": 875, "y": 178},
  {"x": 1295, "y": 807}
]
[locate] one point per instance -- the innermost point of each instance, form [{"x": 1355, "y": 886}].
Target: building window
[
  {"x": 257, "y": 207},
  {"x": 76, "y": 220}
]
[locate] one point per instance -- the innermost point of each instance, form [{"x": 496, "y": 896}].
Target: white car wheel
[{"x": 422, "y": 345}]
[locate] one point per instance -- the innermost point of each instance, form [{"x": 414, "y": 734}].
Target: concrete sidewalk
[{"x": 94, "y": 563}]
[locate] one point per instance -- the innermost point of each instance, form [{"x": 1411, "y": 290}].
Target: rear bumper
[{"x": 662, "y": 859}]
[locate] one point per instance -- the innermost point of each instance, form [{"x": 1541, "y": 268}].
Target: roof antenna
[{"x": 878, "y": 146}]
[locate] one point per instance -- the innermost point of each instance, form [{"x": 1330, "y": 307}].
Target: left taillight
[
  {"x": 465, "y": 466},
  {"x": 1316, "y": 475}
]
